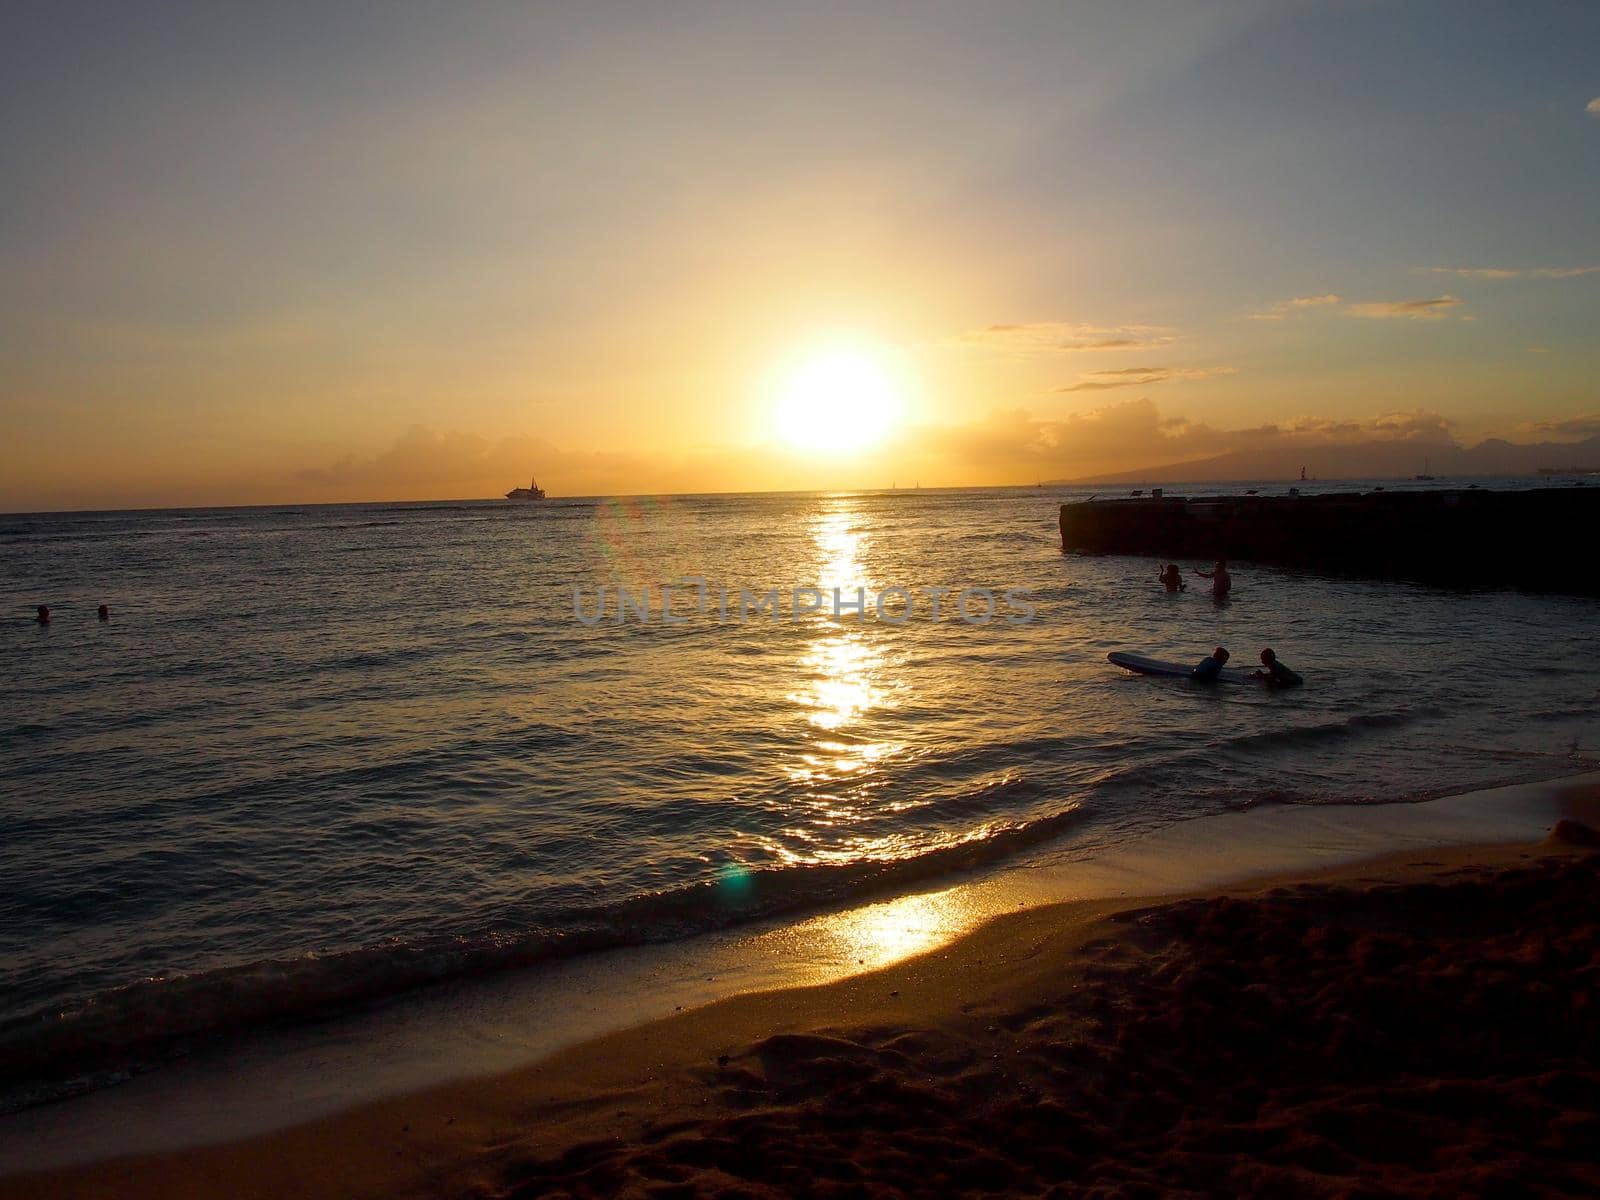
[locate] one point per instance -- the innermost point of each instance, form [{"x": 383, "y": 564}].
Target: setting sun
[{"x": 838, "y": 401}]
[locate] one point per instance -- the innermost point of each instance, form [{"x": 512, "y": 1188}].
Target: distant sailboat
[
  {"x": 1425, "y": 477},
  {"x": 526, "y": 495}
]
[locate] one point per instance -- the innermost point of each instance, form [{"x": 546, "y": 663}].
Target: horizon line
[{"x": 599, "y": 497}]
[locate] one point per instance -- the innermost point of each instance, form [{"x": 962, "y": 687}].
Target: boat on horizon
[{"x": 527, "y": 495}]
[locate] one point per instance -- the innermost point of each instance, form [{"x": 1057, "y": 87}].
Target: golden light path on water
[{"x": 848, "y": 682}]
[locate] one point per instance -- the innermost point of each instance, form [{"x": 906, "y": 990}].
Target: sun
[{"x": 839, "y": 400}]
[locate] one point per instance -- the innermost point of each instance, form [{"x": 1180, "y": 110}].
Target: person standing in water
[
  {"x": 1172, "y": 579},
  {"x": 42, "y": 614},
  {"x": 1208, "y": 670},
  {"x": 1274, "y": 673},
  {"x": 1221, "y": 581}
]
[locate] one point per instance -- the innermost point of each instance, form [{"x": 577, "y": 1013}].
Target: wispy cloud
[
  {"x": 1431, "y": 309},
  {"x": 1099, "y": 381},
  {"x": 1582, "y": 426},
  {"x": 1512, "y": 272},
  {"x": 1297, "y": 304},
  {"x": 1045, "y": 337}
]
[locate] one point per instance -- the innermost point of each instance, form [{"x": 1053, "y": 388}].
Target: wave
[
  {"x": 1195, "y": 772},
  {"x": 1011, "y": 537},
  {"x": 1326, "y": 731},
  {"x": 51, "y": 529},
  {"x": 56, "y": 1051}
]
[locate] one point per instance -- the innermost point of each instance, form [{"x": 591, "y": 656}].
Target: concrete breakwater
[{"x": 1538, "y": 540}]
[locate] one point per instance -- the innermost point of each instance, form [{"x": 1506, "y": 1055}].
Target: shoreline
[{"x": 944, "y": 946}]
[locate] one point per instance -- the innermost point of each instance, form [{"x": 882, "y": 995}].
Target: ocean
[{"x": 322, "y": 756}]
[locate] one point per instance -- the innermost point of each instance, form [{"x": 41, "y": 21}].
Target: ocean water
[{"x": 320, "y": 756}]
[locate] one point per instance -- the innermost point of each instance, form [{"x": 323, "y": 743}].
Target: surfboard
[{"x": 1143, "y": 665}]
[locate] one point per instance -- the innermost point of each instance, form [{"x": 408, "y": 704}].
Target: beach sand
[{"x": 1425, "y": 1024}]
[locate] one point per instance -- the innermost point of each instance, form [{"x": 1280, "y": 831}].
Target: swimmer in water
[
  {"x": 1221, "y": 581},
  {"x": 1274, "y": 673}
]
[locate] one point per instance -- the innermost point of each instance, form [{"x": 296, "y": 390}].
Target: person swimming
[
  {"x": 1274, "y": 673},
  {"x": 1172, "y": 579},
  {"x": 1221, "y": 581},
  {"x": 1207, "y": 670}
]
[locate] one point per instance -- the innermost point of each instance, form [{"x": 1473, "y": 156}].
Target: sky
[{"x": 297, "y": 253}]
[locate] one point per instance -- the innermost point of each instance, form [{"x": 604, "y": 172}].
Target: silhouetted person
[
  {"x": 1209, "y": 669},
  {"x": 105, "y": 612},
  {"x": 43, "y": 616},
  {"x": 1171, "y": 578},
  {"x": 1221, "y": 581},
  {"x": 1274, "y": 673}
]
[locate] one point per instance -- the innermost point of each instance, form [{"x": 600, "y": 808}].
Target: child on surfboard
[{"x": 1208, "y": 670}]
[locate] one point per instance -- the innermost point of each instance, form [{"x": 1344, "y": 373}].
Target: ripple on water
[{"x": 325, "y": 753}]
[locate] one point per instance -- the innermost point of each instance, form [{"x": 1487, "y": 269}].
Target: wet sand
[{"x": 1421, "y": 1025}]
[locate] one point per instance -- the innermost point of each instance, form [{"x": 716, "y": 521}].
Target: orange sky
[{"x": 293, "y": 257}]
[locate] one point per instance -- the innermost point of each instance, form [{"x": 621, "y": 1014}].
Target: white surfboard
[{"x": 1143, "y": 665}]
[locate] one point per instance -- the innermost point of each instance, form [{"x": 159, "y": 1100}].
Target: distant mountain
[
  {"x": 1199, "y": 470},
  {"x": 1366, "y": 460}
]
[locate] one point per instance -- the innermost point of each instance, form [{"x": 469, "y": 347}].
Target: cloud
[
  {"x": 1002, "y": 447},
  {"x": 1045, "y": 337},
  {"x": 1418, "y": 426},
  {"x": 1141, "y": 376},
  {"x": 1414, "y": 310},
  {"x": 1135, "y": 434},
  {"x": 423, "y": 457},
  {"x": 1297, "y": 304},
  {"x": 1538, "y": 349},
  {"x": 1433, "y": 308},
  {"x": 1582, "y": 426},
  {"x": 1512, "y": 272},
  {"x": 1110, "y": 436},
  {"x": 425, "y": 462}
]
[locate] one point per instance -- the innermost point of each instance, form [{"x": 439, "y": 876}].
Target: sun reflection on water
[
  {"x": 845, "y": 664},
  {"x": 845, "y": 686}
]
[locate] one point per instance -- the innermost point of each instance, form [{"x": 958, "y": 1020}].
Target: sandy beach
[{"x": 1423, "y": 1024}]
